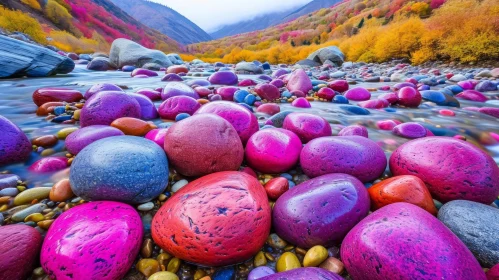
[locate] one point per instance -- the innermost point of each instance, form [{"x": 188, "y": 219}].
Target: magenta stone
[
  {"x": 269, "y": 109},
  {"x": 273, "y": 150},
  {"x": 358, "y": 94},
  {"x": 107, "y": 106},
  {"x": 267, "y": 92},
  {"x": 326, "y": 93},
  {"x": 101, "y": 87},
  {"x": 403, "y": 241},
  {"x": 14, "y": 145},
  {"x": 354, "y": 155},
  {"x": 157, "y": 135},
  {"x": 244, "y": 121},
  {"x": 307, "y": 126},
  {"x": 301, "y": 102},
  {"x": 452, "y": 169},
  {"x": 472, "y": 95},
  {"x": 49, "y": 164},
  {"x": 299, "y": 80},
  {"x": 95, "y": 240},
  {"x": 227, "y": 93},
  {"x": 150, "y": 93},
  {"x": 354, "y": 130},
  {"x": 20, "y": 248},
  {"x": 172, "y": 77},
  {"x": 147, "y": 109},
  {"x": 173, "y": 106},
  {"x": 145, "y": 72},
  {"x": 176, "y": 89},
  {"x": 410, "y": 130},
  {"x": 247, "y": 83},
  {"x": 338, "y": 85},
  {"x": 76, "y": 141},
  {"x": 320, "y": 211},
  {"x": 409, "y": 97},
  {"x": 227, "y": 78},
  {"x": 305, "y": 273}
]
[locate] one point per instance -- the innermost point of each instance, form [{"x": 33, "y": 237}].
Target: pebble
[
  {"x": 29, "y": 195},
  {"x": 315, "y": 256}
]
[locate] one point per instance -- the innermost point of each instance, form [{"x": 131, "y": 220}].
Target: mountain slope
[
  {"x": 269, "y": 20},
  {"x": 165, "y": 20}
]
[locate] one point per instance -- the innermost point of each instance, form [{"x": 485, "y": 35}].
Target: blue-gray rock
[
  {"x": 332, "y": 54},
  {"x": 100, "y": 64},
  {"x": 477, "y": 225},
  {"x": 125, "y": 52},
  {"x": 8, "y": 181},
  {"x": 249, "y": 67},
  {"x": 486, "y": 86},
  {"x": 18, "y": 59},
  {"x": 123, "y": 168}
]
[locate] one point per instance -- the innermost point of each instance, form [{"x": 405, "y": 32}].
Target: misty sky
[{"x": 212, "y": 14}]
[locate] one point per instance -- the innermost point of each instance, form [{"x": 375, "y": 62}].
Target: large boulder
[
  {"x": 332, "y": 54},
  {"x": 126, "y": 52},
  {"x": 18, "y": 59}
]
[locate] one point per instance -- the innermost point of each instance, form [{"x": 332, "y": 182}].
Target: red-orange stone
[
  {"x": 133, "y": 126},
  {"x": 219, "y": 219},
  {"x": 45, "y": 95},
  {"x": 404, "y": 188},
  {"x": 276, "y": 187}
]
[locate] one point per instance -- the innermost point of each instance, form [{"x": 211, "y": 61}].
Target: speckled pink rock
[
  {"x": 15, "y": 146},
  {"x": 299, "y": 80},
  {"x": 403, "y": 241},
  {"x": 150, "y": 93},
  {"x": 267, "y": 92},
  {"x": 301, "y": 102},
  {"x": 101, "y": 87},
  {"x": 145, "y": 72},
  {"x": 452, "y": 169},
  {"x": 409, "y": 97},
  {"x": 76, "y": 141},
  {"x": 358, "y": 94},
  {"x": 269, "y": 109},
  {"x": 107, "y": 106},
  {"x": 326, "y": 93},
  {"x": 354, "y": 155},
  {"x": 49, "y": 164},
  {"x": 203, "y": 144},
  {"x": 472, "y": 95},
  {"x": 147, "y": 109},
  {"x": 244, "y": 121},
  {"x": 157, "y": 135},
  {"x": 354, "y": 130},
  {"x": 227, "y": 93},
  {"x": 176, "y": 89},
  {"x": 338, "y": 85},
  {"x": 173, "y": 106},
  {"x": 411, "y": 130},
  {"x": 273, "y": 150},
  {"x": 95, "y": 240},
  {"x": 20, "y": 248},
  {"x": 307, "y": 126},
  {"x": 304, "y": 273},
  {"x": 320, "y": 211}
]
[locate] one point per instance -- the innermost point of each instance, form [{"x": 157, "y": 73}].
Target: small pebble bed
[{"x": 198, "y": 171}]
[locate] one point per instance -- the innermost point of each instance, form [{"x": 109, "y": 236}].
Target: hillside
[
  {"x": 272, "y": 19},
  {"x": 372, "y": 31},
  {"x": 79, "y": 25},
  {"x": 165, "y": 20}
]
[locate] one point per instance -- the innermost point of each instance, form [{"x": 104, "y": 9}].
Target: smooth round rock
[
  {"x": 45, "y": 95},
  {"x": 404, "y": 188},
  {"x": 178, "y": 89},
  {"x": 299, "y": 80},
  {"x": 101, "y": 87},
  {"x": 95, "y": 240},
  {"x": 307, "y": 126},
  {"x": 267, "y": 92},
  {"x": 76, "y": 141},
  {"x": 175, "y": 105},
  {"x": 411, "y": 130},
  {"x": 106, "y": 106},
  {"x": 273, "y": 150},
  {"x": 15, "y": 145},
  {"x": 354, "y": 130},
  {"x": 49, "y": 165},
  {"x": 453, "y": 169},
  {"x": 354, "y": 155},
  {"x": 122, "y": 168},
  {"x": 403, "y": 241},
  {"x": 203, "y": 144},
  {"x": 477, "y": 225},
  {"x": 358, "y": 94},
  {"x": 305, "y": 273},
  {"x": 227, "y": 78},
  {"x": 322, "y": 210},
  {"x": 409, "y": 97},
  {"x": 20, "y": 248},
  {"x": 243, "y": 121},
  {"x": 217, "y": 220}
]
